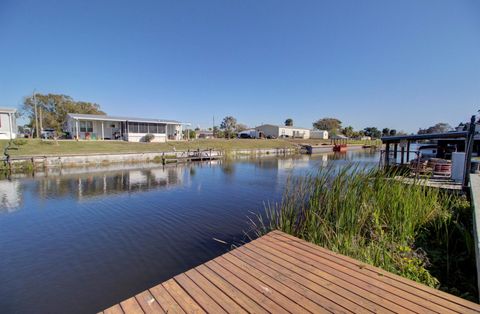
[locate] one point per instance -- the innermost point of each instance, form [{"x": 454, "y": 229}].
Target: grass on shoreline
[
  {"x": 35, "y": 147},
  {"x": 420, "y": 233}
]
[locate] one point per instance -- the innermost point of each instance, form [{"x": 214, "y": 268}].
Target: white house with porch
[
  {"x": 8, "y": 124},
  {"x": 105, "y": 127}
]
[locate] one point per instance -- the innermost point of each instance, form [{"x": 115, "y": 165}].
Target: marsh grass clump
[{"x": 368, "y": 215}]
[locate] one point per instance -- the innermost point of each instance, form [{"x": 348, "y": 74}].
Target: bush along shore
[{"x": 420, "y": 233}]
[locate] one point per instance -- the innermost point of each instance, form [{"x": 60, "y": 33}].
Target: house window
[
  {"x": 133, "y": 127},
  {"x": 161, "y": 128},
  {"x": 152, "y": 128},
  {"x": 86, "y": 126},
  {"x": 142, "y": 128}
]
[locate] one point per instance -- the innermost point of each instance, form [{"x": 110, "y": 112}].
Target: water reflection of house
[
  {"x": 129, "y": 181},
  {"x": 10, "y": 195},
  {"x": 296, "y": 162},
  {"x": 301, "y": 161},
  {"x": 101, "y": 184}
]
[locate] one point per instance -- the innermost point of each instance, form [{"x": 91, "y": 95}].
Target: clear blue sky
[{"x": 399, "y": 64}]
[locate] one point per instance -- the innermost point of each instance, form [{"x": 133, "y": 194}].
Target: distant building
[
  {"x": 103, "y": 127},
  {"x": 204, "y": 134},
  {"x": 339, "y": 136},
  {"x": 282, "y": 131},
  {"x": 319, "y": 134},
  {"x": 8, "y": 124}
]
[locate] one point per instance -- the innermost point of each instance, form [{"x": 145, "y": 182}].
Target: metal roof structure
[
  {"x": 419, "y": 137},
  {"x": 99, "y": 117}
]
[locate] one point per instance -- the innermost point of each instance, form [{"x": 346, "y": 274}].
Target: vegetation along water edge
[{"x": 421, "y": 233}]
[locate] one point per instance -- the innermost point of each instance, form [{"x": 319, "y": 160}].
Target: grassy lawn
[{"x": 34, "y": 147}]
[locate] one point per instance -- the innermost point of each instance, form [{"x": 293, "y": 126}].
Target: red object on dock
[
  {"x": 340, "y": 148},
  {"x": 442, "y": 169}
]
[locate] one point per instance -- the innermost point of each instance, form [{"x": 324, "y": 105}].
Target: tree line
[
  {"x": 50, "y": 110},
  {"x": 334, "y": 127}
]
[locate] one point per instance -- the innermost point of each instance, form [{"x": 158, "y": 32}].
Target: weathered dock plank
[{"x": 278, "y": 273}]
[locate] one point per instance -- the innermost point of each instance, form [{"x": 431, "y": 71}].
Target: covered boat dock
[{"x": 398, "y": 150}]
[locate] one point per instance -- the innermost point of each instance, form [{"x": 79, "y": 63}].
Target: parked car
[
  {"x": 48, "y": 133},
  {"x": 244, "y": 135}
]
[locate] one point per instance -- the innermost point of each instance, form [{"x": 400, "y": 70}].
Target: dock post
[
  {"x": 387, "y": 154},
  {"x": 395, "y": 151},
  {"x": 468, "y": 151},
  {"x": 408, "y": 151}
]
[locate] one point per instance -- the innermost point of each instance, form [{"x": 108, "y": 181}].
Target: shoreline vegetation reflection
[{"x": 83, "y": 183}]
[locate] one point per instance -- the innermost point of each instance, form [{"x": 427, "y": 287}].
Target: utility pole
[
  {"x": 36, "y": 114},
  {"x": 213, "y": 126},
  {"x": 40, "y": 114}
]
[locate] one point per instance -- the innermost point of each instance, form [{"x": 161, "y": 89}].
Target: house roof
[
  {"x": 283, "y": 126},
  {"x": 9, "y": 110},
  {"x": 100, "y": 117}
]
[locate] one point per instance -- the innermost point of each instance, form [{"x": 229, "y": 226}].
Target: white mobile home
[
  {"x": 319, "y": 134},
  {"x": 103, "y": 127},
  {"x": 8, "y": 124},
  {"x": 270, "y": 130}
]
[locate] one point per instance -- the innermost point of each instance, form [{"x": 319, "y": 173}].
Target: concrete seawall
[
  {"x": 77, "y": 160},
  {"x": 125, "y": 158}
]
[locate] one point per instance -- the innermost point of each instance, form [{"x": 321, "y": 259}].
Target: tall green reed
[{"x": 363, "y": 213}]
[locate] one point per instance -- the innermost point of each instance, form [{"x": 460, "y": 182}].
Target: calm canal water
[{"x": 80, "y": 242}]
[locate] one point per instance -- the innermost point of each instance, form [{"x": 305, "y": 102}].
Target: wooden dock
[
  {"x": 444, "y": 184},
  {"x": 278, "y": 273}
]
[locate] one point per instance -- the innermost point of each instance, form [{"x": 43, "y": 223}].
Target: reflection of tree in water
[
  {"x": 91, "y": 185},
  {"x": 228, "y": 168},
  {"x": 267, "y": 163},
  {"x": 338, "y": 156}
]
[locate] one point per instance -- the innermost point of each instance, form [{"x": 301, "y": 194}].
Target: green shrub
[{"x": 149, "y": 137}]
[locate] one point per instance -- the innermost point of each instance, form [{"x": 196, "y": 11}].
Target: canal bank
[
  {"x": 35, "y": 163},
  {"x": 19, "y": 163}
]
